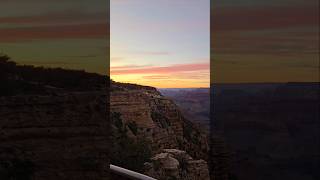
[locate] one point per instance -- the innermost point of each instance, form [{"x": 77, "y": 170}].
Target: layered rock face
[
  {"x": 176, "y": 164},
  {"x": 194, "y": 103},
  {"x": 54, "y": 137},
  {"x": 160, "y": 121}
]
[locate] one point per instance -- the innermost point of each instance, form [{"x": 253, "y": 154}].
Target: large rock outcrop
[{"x": 177, "y": 164}]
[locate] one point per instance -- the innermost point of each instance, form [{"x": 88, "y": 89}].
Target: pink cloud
[
  {"x": 184, "y": 76},
  {"x": 156, "y": 77},
  {"x": 162, "y": 70},
  {"x": 127, "y": 67}
]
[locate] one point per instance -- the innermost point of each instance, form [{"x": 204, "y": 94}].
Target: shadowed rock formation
[
  {"x": 176, "y": 164},
  {"x": 158, "y": 121}
]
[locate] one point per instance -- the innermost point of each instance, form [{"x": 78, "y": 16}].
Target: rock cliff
[
  {"x": 54, "y": 125},
  {"x": 158, "y": 120}
]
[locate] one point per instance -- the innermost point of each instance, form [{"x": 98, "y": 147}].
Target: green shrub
[
  {"x": 125, "y": 151},
  {"x": 161, "y": 119},
  {"x": 129, "y": 154},
  {"x": 117, "y": 122},
  {"x": 133, "y": 127}
]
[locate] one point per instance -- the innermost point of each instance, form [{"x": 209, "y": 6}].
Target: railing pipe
[{"x": 128, "y": 173}]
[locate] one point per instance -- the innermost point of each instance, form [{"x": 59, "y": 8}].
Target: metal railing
[{"x": 128, "y": 173}]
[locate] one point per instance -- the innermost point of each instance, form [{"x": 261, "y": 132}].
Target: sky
[
  {"x": 264, "y": 41},
  {"x": 71, "y": 34},
  {"x": 165, "y": 43},
  {"x": 160, "y": 43}
]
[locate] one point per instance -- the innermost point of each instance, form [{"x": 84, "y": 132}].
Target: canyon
[
  {"x": 159, "y": 121},
  {"x": 62, "y": 124}
]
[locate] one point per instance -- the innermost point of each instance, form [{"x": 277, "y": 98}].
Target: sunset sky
[
  {"x": 165, "y": 43},
  {"x": 161, "y": 43}
]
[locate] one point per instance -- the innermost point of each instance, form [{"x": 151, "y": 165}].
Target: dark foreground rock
[
  {"x": 176, "y": 164},
  {"x": 54, "y": 137}
]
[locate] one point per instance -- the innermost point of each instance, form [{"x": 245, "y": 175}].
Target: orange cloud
[
  {"x": 156, "y": 77},
  {"x": 161, "y": 70},
  {"x": 127, "y": 67}
]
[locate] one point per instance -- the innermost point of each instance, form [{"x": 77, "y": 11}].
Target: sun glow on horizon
[
  {"x": 164, "y": 44},
  {"x": 161, "y": 82}
]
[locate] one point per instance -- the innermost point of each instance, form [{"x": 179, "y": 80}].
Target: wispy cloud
[
  {"x": 181, "y": 76},
  {"x": 156, "y": 77},
  {"x": 161, "y": 70},
  {"x": 129, "y": 67},
  {"x": 153, "y": 53},
  {"x": 116, "y": 59}
]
